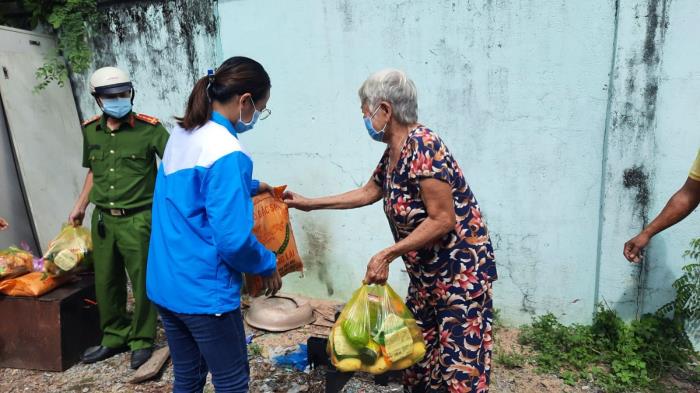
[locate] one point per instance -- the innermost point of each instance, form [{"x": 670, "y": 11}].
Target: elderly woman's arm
[
  {"x": 363, "y": 196},
  {"x": 437, "y": 196}
]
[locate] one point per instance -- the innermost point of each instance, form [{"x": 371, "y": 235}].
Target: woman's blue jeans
[{"x": 207, "y": 343}]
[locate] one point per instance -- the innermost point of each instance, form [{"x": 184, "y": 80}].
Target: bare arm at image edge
[{"x": 681, "y": 204}]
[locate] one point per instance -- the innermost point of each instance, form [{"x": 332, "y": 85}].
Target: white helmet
[{"x": 109, "y": 80}]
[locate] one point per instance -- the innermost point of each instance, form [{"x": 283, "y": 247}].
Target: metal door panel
[
  {"x": 45, "y": 131},
  {"x": 12, "y": 206}
]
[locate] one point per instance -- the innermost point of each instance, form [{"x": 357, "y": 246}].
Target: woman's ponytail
[
  {"x": 236, "y": 76},
  {"x": 198, "y": 110}
]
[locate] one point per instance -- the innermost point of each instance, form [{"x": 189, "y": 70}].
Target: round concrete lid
[{"x": 279, "y": 313}]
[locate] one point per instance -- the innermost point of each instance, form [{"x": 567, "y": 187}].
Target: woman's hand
[
  {"x": 272, "y": 284},
  {"x": 378, "y": 268},
  {"x": 297, "y": 201}
]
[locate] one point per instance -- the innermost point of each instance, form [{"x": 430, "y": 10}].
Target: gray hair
[{"x": 395, "y": 87}]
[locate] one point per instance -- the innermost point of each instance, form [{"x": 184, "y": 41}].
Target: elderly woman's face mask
[{"x": 377, "y": 135}]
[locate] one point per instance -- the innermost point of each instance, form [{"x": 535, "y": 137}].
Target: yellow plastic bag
[
  {"x": 15, "y": 262},
  {"x": 273, "y": 229},
  {"x": 375, "y": 333},
  {"x": 69, "y": 249}
]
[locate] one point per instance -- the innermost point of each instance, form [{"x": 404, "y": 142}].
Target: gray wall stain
[
  {"x": 638, "y": 120},
  {"x": 637, "y": 179},
  {"x": 635, "y": 123},
  {"x": 657, "y": 23},
  {"x": 316, "y": 255},
  {"x": 164, "y": 46},
  {"x": 345, "y": 8}
]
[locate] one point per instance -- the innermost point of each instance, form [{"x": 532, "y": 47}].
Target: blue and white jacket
[{"x": 202, "y": 234}]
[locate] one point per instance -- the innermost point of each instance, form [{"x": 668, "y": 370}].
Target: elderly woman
[{"x": 439, "y": 233}]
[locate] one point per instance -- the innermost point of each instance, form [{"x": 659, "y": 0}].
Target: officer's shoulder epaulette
[
  {"x": 147, "y": 119},
  {"x": 91, "y": 120}
]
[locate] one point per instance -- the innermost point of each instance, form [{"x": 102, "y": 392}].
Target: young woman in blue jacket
[{"x": 202, "y": 237}]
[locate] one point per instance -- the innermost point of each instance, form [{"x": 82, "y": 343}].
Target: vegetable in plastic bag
[
  {"x": 375, "y": 333},
  {"x": 69, "y": 249},
  {"x": 370, "y": 353},
  {"x": 15, "y": 262}
]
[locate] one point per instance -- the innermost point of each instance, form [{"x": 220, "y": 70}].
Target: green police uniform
[{"x": 123, "y": 163}]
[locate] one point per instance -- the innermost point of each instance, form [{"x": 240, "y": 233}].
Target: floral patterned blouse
[{"x": 462, "y": 261}]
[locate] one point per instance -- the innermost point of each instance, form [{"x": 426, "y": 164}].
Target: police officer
[{"x": 119, "y": 150}]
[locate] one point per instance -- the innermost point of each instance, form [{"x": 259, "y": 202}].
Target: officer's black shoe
[
  {"x": 99, "y": 353},
  {"x": 140, "y": 356}
]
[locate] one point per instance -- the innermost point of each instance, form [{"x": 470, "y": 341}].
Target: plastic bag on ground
[
  {"x": 375, "y": 333},
  {"x": 68, "y": 250},
  {"x": 274, "y": 230},
  {"x": 15, "y": 262},
  {"x": 297, "y": 359},
  {"x": 32, "y": 284}
]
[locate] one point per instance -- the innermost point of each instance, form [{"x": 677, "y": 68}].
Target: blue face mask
[
  {"x": 241, "y": 126},
  {"x": 116, "y": 107},
  {"x": 377, "y": 135}
]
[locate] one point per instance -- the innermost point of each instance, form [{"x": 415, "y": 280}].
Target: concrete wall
[
  {"x": 676, "y": 143},
  {"x": 515, "y": 91},
  {"x": 573, "y": 122},
  {"x": 652, "y": 139},
  {"x": 164, "y": 46}
]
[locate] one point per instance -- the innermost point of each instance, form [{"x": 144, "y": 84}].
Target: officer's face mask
[
  {"x": 116, "y": 107},
  {"x": 377, "y": 135},
  {"x": 242, "y": 126}
]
